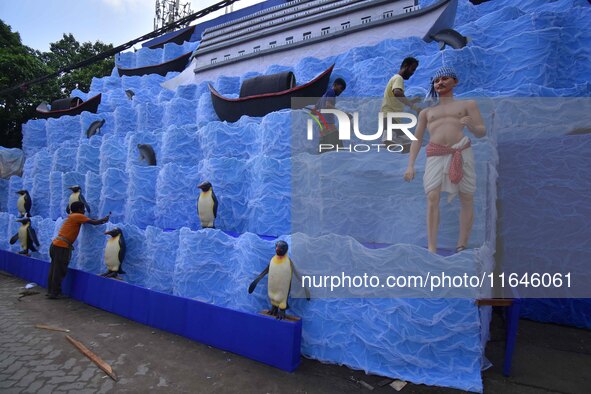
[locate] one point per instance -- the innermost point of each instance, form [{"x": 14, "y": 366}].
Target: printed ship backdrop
[{"x": 528, "y": 48}]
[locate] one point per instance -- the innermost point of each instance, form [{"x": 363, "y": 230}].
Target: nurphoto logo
[{"x": 393, "y": 122}]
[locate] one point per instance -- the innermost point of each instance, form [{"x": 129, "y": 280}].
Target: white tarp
[{"x": 11, "y": 162}]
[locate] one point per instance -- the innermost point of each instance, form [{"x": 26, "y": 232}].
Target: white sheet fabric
[{"x": 437, "y": 172}]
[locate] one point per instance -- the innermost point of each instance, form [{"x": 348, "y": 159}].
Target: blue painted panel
[{"x": 261, "y": 338}]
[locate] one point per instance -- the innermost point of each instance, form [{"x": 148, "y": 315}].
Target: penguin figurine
[
  {"x": 207, "y": 206},
  {"x": 26, "y": 236},
  {"x": 24, "y": 203},
  {"x": 114, "y": 253},
  {"x": 280, "y": 270},
  {"x": 76, "y": 196}
]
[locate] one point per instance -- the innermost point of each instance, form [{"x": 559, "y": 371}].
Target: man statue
[{"x": 450, "y": 161}]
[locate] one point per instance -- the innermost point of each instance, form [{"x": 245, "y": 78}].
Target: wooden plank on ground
[
  {"x": 51, "y": 328},
  {"x": 93, "y": 357}
]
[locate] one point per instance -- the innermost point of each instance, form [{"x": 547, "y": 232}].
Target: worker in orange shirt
[{"x": 61, "y": 248}]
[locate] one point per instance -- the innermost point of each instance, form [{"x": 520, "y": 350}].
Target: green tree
[
  {"x": 19, "y": 63},
  {"x": 68, "y": 51}
]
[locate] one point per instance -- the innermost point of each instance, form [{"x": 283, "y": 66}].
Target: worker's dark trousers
[
  {"x": 60, "y": 258},
  {"x": 331, "y": 138}
]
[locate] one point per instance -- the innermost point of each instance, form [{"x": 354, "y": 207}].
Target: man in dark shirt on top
[{"x": 329, "y": 134}]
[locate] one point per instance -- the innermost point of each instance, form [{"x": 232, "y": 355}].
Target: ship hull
[
  {"x": 177, "y": 64},
  {"x": 90, "y": 105},
  {"x": 231, "y": 109},
  {"x": 422, "y": 23}
]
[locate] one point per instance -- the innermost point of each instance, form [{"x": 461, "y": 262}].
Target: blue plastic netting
[
  {"x": 88, "y": 156},
  {"x": 176, "y": 197},
  {"x": 34, "y": 136},
  {"x": 141, "y": 196},
  {"x": 162, "y": 247},
  {"x": 56, "y": 186},
  {"x": 181, "y": 144},
  {"x": 533, "y": 48},
  {"x": 113, "y": 194}
]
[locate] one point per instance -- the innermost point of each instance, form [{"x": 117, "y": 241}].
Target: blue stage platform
[{"x": 258, "y": 337}]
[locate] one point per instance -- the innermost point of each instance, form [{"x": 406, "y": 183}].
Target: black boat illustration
[
  {"x": 68, "y": 106},
  {"x": 267, "y": 93},
  {"x": 176, "y": 64}
]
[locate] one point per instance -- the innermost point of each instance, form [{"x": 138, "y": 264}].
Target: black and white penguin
[
  {"x": 26, "y": 236},
  {"x": 207, "y": 205},
  {"x": 76, "y": 196},
  {"x": 280, "y": 270},
  {"x": 114, "y": 253},
  {"x": 24, "y": 203}
]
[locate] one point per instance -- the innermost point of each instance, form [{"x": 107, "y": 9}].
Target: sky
[{"x": 40, "y": 22}]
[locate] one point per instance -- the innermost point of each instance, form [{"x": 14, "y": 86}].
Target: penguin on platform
[
  {"x": 280, "y": 270},
  {"x": 207, "y": 206},
  {"x": 76, "y": 196},
  {"x": 114, "y": 253},
  {"x": 26, "y": 236},
  {"x": 24, "y": 203}
]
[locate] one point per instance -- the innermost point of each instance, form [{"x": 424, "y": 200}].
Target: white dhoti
[{"x": 437, "y": 171}]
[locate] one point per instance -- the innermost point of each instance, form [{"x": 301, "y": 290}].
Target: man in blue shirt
[{"x": 329, "y": 134}]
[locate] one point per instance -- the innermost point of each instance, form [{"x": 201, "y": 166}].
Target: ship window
[
  {"x": 366, "y": 19},
  {"x": 307, "y": 35},
  {"x": 388, "y": 14},
  {"x": 226, "y": 57},
  {"x": 345, "y": 25},
  {"x": 272, "y": 44},
  {"x": 214, "y": 60},
  {"x": 257, "y": 48},
  {"x": 289, "y": 40},
  {"x": 240, "y": 53},
  {"x": 408, "y": 9},
  {"x": 325, "y": 30}
]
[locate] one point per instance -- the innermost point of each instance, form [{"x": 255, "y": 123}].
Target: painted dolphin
[
  {"x": 451, "y": 38},
  {"x": 94, "y": 127},
  {"x": 147, "y": 154}
]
